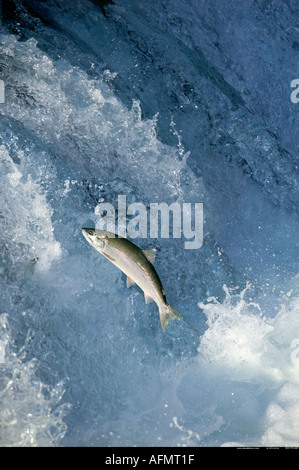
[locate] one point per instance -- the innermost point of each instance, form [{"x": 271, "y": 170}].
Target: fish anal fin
[
  {"x": 150, "y": 255},
  {"x": 130, "y": 282},
  {"x": 148, "y": 298}
]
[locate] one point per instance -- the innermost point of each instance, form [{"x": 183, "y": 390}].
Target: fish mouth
[
  {"x": 88, "y": 231},
  {"x": 101, "y": 234},
  {"x": 93, "y": 233}
]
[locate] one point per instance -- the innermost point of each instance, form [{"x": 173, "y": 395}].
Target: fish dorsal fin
[
  {"x": 150, "y": 255},
  {"x": 130, "y": 282},
  {"x": 148, "y": 298}
]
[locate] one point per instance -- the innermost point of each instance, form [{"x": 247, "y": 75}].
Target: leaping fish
[{"x": 138, "y": 266}]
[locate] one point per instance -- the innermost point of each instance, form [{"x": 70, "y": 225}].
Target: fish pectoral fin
[
  {"x": 148, "y": 298},
  {"x": 150, "y": 255},
  {"x": 130, "y": 282},
  {"x": 108, "y": 257}
]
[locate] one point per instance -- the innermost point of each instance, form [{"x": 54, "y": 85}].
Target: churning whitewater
[{"x": 159, "y": 102}]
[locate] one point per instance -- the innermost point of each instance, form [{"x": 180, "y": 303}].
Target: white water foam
[
  {"x": 244, "y": 345},
  {"x": 31, "y": 413}
]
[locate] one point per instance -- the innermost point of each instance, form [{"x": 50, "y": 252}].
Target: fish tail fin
[{"x": 167, "y": 313}]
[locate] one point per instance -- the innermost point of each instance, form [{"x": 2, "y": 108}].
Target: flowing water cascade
[{"x": 165, "y": 101}]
